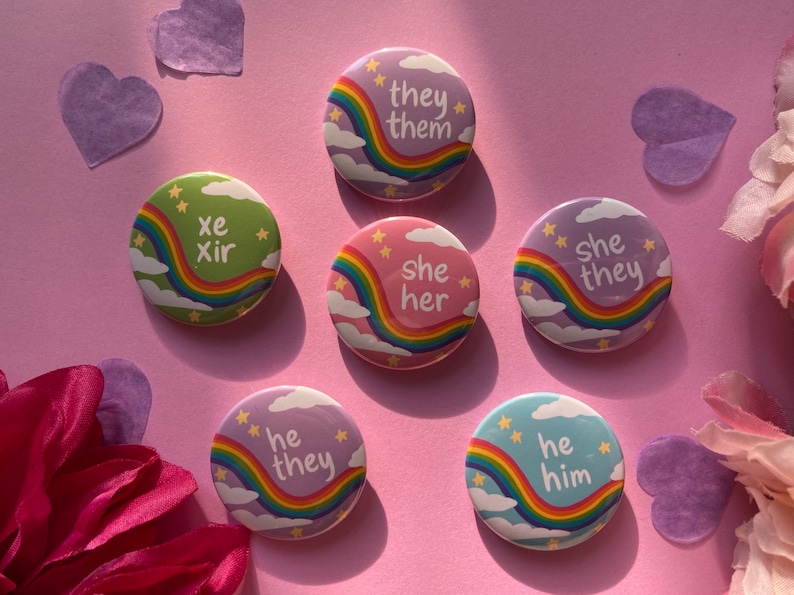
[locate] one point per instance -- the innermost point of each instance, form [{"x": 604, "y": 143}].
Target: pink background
[{"x": 553, "y": 85}]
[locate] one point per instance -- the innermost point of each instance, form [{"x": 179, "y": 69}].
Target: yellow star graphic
[
  {"x": 334, "y": 115},
  {"x": 378, "y": 236},
  {"x": 393, "y": 361},
  {"x": 464, "y": 282},
  {"x": 181, "y": 206},
  {"x": 174, "y": 191},
  {"x": 139, "y": 241},
  {"x": 194, "y": 316},
  {"x": 372, "y": 65},
  {"x": 262, "y": 234},
  {"x": 389, "y": 191},
  {"x": 253, "y": 430},
  {"x": 479, "y": 479},
  {"x": 437, "y": 185},
  {"x": 604, "y": 448},
  {"x": 459, "y": 108},
  {"x": 385, "y": 252},
  {"x": 297, "y": 532},
  {"x": 548, "y": 229},
  {"x": 504, "y": 423},
  {"x": 648, "y": 325},
  {"x": 341, "y": 435},
  {"x": 379, "y": 80},
  {"x": 515, "y": 437},
  {"x": 562, "y": 241},
  {"x": 220, "y": 474},
  {"x": 553, "y": 543},
  {"x": 242, "y": 417},
  {"x": 241, "y": 310},
  {"x": 526, "y": 287},
  {"x": 598, "y": 527},
  {"x": 649, "y": 245},
  {"x": 603, "y": 344},
  {"x": 340, "y": 283}
]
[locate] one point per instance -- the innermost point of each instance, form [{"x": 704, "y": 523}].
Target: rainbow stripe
[
  {"x": 549, "y": 274},
  {"x": 354, "y": 101},
  {"x": 355, "y": 267},
  {"x": 159, "y": 230},
  {"x": 246, "y": 467},
  {"x": 499, "y": 466}
]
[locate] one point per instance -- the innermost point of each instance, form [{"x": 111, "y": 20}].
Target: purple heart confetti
[
  {"x": 106, "y": 115},
  {"x": 690, "y": 488},
  {"x": 201, "y": 36},
  {"x": 124, "y": 407},
  {"x": 683, "y": 133}
]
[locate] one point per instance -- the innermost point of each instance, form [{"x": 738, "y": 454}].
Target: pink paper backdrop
[{"x": 553, "y": 85}]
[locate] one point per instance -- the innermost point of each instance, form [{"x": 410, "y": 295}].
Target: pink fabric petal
[
  {"x": 746, "y": 406},
  {"x": 749, "y": 210},
  {"x": 784, "y": 78},
  {"x": 777, "y": 259},
  {"x": 763, "y": 167}
]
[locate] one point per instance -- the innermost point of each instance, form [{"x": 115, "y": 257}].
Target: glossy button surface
[
  {"x": 288, "y": 462},
  {"x": 544, "y": 471},
  {"x": 399, "y": 124},
  {"x": 593, "y": 274},
  {"x": 403, "y": 293},
  {"x": 205, "y": 248}
]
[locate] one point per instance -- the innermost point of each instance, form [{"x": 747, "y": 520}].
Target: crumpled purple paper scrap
[
  {"x": 105, "y": 115},
  {"x": 690, "y": 488},
  {"x": 201, "y": 36},
  {"x": 126, "y": 400},
  {"x": 683, "y": 133}
]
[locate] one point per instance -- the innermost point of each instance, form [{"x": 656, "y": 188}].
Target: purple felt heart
[
  {"x": 690, "y": 487},
  {"x": 106, "y": 115},
  {"x": 683, "y": 133},
  {"x": 124, "y": 408},
  {"x": 202, "y": 36}
]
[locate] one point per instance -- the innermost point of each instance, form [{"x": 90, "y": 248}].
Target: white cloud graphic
[
  {"x": 471, "y": 309},
  {"x": 435, "y": 235},
  {"x": 619, "y": 472},
  {"x": 572, "y": 334},
  {"x": 563, "y": 407},
  {"x": 428, "y": 62},
  {"x": 234, "y": 188},
  {"x": 540, "y": 308},
  {"x": 166, "y": 297},
  {"x": 608, "y": 208},
  {"x": 337, "y": 304},
  {"x": 344, "y": 139},
  {"x": 229, "y": 495},
  {"x": 357, "y": 340},
  {"x": 273, "y": 260},
  {"x": 266, "y": 522},
  {"x": 467, "y": 136},
  {"x": 358, "y": 458},
  {"x": 146, "y": 264},
  {"x": 301, "y": 398},
  {"x": 363, "y": 171},
  {"x": 665, "y": 268},
  {"x": 491, "y": 502},
  {"x": 522, "y": 530}
]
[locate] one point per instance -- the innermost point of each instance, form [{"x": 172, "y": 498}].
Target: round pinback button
[
  {"x": 288, "y": 462},
  {"x": 399, "y": 124},
  {"x": 544, "y": 471},
  {"x": 403, "y": 293},
  {"x": 205, "y": 248},
  {"x": 593, "y": 274}
]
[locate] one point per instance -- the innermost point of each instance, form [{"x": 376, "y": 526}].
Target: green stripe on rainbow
[
  {"x": 539, "y": 267},
  {"x": 504, "y": 471},
  {"x": 362, "y": 275},
  {"x": 354, "y": 101},
  {"x": 235, "y": 457}
]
